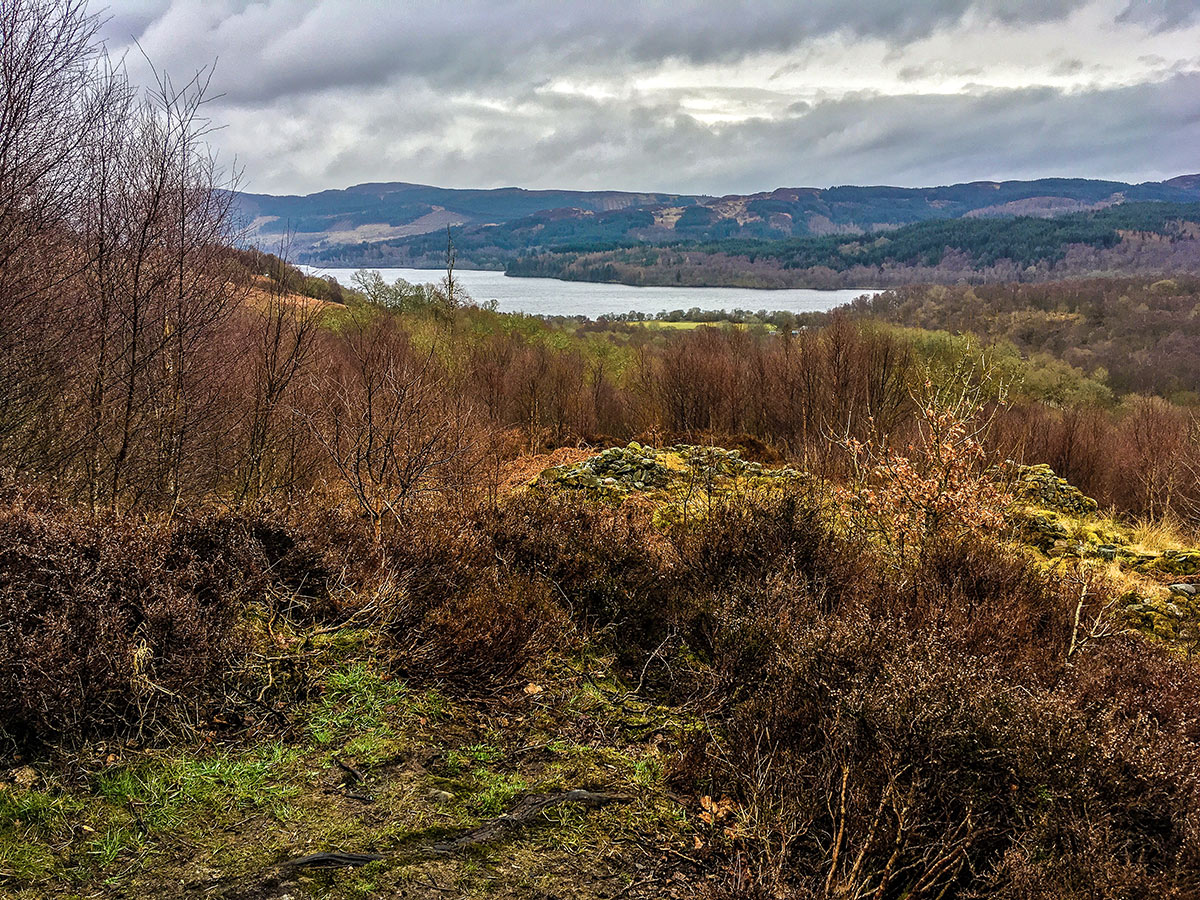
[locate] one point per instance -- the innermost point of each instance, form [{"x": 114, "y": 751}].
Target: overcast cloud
[{"x": 711, "y": 97}]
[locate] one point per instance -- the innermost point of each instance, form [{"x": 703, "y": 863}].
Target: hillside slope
[
  {"x": 401, "y": 223},
  {"x": 1128, "y": 239},
  {"x": 371, "y": 212}
]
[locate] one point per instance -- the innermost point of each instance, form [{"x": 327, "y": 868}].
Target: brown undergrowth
[{"x": 831, "y": 718}]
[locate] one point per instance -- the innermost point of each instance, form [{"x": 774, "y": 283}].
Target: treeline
[
  {"x": 791, "y": 217},
  {"x": 625, "y": 246},
  {"x": 781, "y": 319},
  {"x": 1131, "y": 238},
  {"x": 492, "y": 246},
  {"x": 1137, "y": 335},
  {"x": 1023, "y": 240},
  {"x": 799, "y": 394}
]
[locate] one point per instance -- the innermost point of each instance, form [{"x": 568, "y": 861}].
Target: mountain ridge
[{"x": 400, "y": 222}]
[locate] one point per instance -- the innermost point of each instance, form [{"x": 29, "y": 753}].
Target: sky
[{"x": 683, "y": 96}]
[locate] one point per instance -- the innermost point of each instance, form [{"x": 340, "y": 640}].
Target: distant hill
[
  {"x": 367, "y": 213},
  {"x": 1150, "y": 238},
  {"x": 398, "y": 223}
]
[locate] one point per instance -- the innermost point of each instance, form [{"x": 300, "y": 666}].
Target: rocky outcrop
[
  {"x": 619, "y": 471},
  {"x": 1039, "y": 485}
]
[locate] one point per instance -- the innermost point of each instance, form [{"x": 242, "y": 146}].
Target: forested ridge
[
  {"x": 1020, "y": 248},
  {"x": 374, "y": 223}
]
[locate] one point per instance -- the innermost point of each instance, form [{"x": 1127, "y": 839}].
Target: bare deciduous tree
[
  {"x": 387, "y": 422},
  {"x": 58, "y": 95},
  {"x": 114, "y": 224},
  {"x": 282, "y": 334}
]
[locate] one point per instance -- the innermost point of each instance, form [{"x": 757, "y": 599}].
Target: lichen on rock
[
  {"x": 1038, "y": 484},
  {"x": 682, "y": 480}
]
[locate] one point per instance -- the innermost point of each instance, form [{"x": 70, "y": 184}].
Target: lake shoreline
[
  {"x": 591, "y": 299},
  {"x": 716, "y": 285}
]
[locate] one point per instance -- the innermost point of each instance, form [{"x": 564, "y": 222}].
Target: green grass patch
[
  {"x": 167, "y": 793},
  {"x": 494, "y": 793},
  {"x": 478, "y": 754},
  {"x": 361, "y": 701}
]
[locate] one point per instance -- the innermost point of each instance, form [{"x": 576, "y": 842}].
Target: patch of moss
[
  {"x": 1038, "y": 484},
  {"x": 683, "y": 481},
  {"x": 1174, "y": 563},
  {"x": 1172, "y": 618},
  {"x": 216, "y": 822},
  {"x": 1059, "y": 521}
]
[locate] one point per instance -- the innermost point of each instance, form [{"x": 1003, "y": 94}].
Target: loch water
[{"x": 552, "y": 297}]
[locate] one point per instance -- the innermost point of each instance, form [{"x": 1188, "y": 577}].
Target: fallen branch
[
  {"x": 333, "y": 860},
  {"x": 348, "y": 794},
  {"x": 353, "y": 775},
  {"x": 524, "y": 813}
]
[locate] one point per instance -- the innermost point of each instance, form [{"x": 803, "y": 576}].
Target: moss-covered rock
[
  {"x": 620, "y": 471},
  {"x": 1170, "y": 562},
  {"x": 1040, "y": 486},
  {"x": 1171, "y": 617},
  {"x": 617, "y": 470},
  {"x": 1043, "y": 529}
]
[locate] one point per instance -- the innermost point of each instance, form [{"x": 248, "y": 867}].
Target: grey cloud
[
  {"x": 1162, "y": 14},
  {"x": 319, "y": 93},
  {"x": 276, "y": 48},
  {"x": 1145, "y": 131},
  {"x": 917, "y": 72},
  {"x": 1069, "y": 67},
  {"x": 1142, "y": 132},
  {"x": 130, "y": 19}
]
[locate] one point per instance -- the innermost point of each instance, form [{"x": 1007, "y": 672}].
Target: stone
[
  {"x": 1183, "y": 590},
  {"x": 1038, "y": 484}
]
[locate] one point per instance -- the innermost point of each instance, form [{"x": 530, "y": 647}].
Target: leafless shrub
[
  {"x": 483, "y": 635},
  {"x": 119, "y": 626},
  {"x": 113, "y": 275},
  {"x": 56, "y": 98},
  {"x": 945, "y": 733},
  {"x": 394, "y": 433},
  {"x": 155, "y": 291},
  {"x": 281, "y": 335}
]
